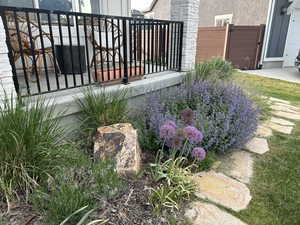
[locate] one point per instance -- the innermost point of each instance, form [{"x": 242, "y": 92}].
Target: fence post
[
  {"x": 8, "y": 73},
  {"x": 229, "y": 28},
  {"x": 180, "y": 47},
  {"x": 125, "y": 78}
]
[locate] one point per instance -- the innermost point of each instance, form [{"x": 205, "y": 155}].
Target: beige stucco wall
[
  {"x": 162, "y": 10},
  {"x": 245, "y": 12}
]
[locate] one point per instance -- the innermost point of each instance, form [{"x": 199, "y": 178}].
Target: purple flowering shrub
[{"x": 223, "y": 114}]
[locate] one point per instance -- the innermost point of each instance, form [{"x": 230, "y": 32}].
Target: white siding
[
  {"x": 293, "y": 39},
  {"x": 115, "y": 7},
  {"x": 6, "y": 81}
]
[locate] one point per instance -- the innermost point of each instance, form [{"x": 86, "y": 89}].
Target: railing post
[
  {"x": 10, "y": 52},
  {"x": 180, "y": 47},
  {"x": 125, "y": 78}
]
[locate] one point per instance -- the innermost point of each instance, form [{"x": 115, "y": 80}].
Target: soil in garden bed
[{"x": 131, "y": 207}]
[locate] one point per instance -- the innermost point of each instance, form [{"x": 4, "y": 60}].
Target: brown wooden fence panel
[
  {"x": 240, "y": 45},
  {"x": 244, "y": 46},
  {"x": 211, "y": 43}
]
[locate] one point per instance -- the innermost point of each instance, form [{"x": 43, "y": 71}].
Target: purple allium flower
[
  {"x": 167, "y": 131},
  {"x": 199, "y": 154},
  {"x": 171, "y": 123},
  {"x": 187, "y": 116},
  {"x": 177, "y": 142},
  {"x": 193, "y": 134}
]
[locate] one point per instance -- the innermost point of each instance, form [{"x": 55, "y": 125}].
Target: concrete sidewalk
[{"x": 286, "y": 74}]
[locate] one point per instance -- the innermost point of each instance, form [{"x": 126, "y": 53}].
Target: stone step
[
  {"x": 283, "y": 109},
  {"x": 282, "y": 121},
  {"x": 258, "y": 145},
  {"x": 222, "y": 190},
  {"x": 241, "y": 167},
  {"x": 263, "y": 131},
  {"x": 279, "y": 100},
  {"x": 200, "y": 213},
  {"x": 287, "y": 115},
  {"x": 280, "y": 128}
]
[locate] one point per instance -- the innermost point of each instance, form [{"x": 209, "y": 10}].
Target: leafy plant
[
  {"x": 61, "y": 202},
  {"x": 101, "y": 108},
  {"x": 77, "y": 184},
  {"x": 215, "y": 69},
  {"x": 222, "y": 112},
  {"x": 84, "y": 218},
  {"x": 176, "y": 183},
  {"x": 30, "y": 137}
]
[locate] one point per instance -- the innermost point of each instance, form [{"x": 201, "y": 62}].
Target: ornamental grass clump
[
  {"x": 30, "y": 138},
  {"x": 223, "y": 114}
]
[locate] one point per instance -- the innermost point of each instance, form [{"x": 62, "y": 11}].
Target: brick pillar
[
  {"x": 188, "y": 12},
  {"x": 6, "y": 76}
]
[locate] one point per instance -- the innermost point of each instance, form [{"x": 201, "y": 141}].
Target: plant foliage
[
  {"x": 226, "y": 117},
  {"x": 215, "y": 69},
  {"x": 30, "y": 138}
]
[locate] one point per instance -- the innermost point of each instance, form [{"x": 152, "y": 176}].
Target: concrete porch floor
[{"x": 286, "y": 74}]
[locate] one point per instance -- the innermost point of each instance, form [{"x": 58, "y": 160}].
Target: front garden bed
[{"x": 190, "y": 136}]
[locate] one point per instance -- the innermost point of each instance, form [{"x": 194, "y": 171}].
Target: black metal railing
[{"x": 54, "y": 50}]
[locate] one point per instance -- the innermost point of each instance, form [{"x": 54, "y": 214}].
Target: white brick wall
[
  {"x": 6, "y": 80},
  {"x": 188, "y": 12}
]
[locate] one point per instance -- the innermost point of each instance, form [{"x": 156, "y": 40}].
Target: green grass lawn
[{"x": 275, "y": 187}]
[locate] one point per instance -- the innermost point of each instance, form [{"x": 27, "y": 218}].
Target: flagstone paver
[
  {"x": 279, "y": 100},
  {"x": 282, "y": 122},
  {"x": 222, "y": 190},
  {"x": 287, "y": 115},
  {"x": 263, "y": 131},
  {"x": 280, "y": 128},
  {"x": 295, "y": 108},
  {"x": 200, "y": 213},
  {"x": 283, "y": 109},
  {"x": 258, "y": 145},
  {"x": 242, "y": 166}
]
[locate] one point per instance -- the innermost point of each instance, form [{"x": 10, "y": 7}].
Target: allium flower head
[
  {"x": 167, "y": 131},
  {"x": 199, "y": 154},
  {"x": 177, "y": 141},
  {"x": 193, "y": 134},
  {"x": 187, "y": 116}
]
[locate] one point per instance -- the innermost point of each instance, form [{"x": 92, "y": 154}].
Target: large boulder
[{"x": 119, "y": 142}]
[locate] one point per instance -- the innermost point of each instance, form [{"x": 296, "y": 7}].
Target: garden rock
[
  {"x": 200, "y": 213},
  {"x": 280, "y": 128},
  {"x": 258, "y": 145},
  {"x": 263, "y": 131},
  {"x": 222, "y": 190},
  {"x": 241, "y": 167},
  {"x": 287, "y": 115},
  {"x": 120, "y": 142},
  {"x": 282, "y": 121}
]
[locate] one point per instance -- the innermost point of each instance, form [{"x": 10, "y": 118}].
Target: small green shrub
[
  {"x": 29, "y": 141},
  {"x": 102, "y": 108},
  {"x": 84, "y": 218},
  {"x": 61, "y": 202},
  {"x": 176, "y": 184},
  {"x": 214, "y": 69},
  {"x": 76, "y": 185}
]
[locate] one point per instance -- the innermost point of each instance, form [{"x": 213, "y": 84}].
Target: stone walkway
[{"x": 229, "y": 188}]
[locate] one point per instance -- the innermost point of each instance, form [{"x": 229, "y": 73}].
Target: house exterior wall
[
  {"x": 161, "y": 10},
  {"x": 6, "y": 80},
  {"x": 245, "y": 12}
]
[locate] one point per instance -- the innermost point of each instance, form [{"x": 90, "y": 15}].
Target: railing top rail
[{"x": 35, "y": 10}]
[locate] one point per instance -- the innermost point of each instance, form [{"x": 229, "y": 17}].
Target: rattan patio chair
[
  {"x": 105, "y": 53},
  {"x": 29, "y": 35}
]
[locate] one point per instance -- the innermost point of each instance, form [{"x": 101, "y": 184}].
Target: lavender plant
[{"x": 226, "y": 118}]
